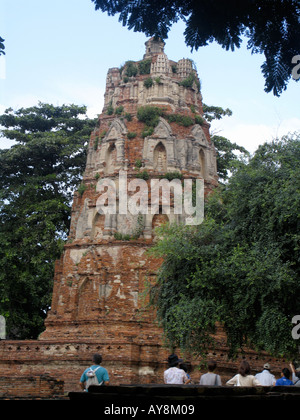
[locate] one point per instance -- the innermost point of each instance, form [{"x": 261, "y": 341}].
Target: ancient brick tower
[{"x": 99, "y": 280}]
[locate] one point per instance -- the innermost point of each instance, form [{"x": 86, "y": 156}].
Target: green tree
[
  {"x": 240, "y": 267},
  {"x": 215, "y": 112},
  {"x": 272, "y": 27},
  {"x": 38, "y": 175},
  {"x": 227, "y": 159}
]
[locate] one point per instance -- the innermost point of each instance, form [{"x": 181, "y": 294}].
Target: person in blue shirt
[
  {"x": 100, "y": 372},
  {"x": 285, "y": 378}
]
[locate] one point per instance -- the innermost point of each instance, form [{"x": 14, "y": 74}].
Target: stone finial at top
[{"x": 154, "y": 46}]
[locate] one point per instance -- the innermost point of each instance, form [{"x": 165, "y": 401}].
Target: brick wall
[{"x": 31, "y": 387}]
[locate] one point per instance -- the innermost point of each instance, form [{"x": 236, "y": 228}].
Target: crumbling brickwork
[{"x": 30, "y": 387}]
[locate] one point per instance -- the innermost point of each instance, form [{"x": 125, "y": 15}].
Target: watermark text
[{"x": 135, "y": 197}]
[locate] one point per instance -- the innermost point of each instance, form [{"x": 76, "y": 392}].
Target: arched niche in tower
[
  {"x": 98, "y": 226},
  {"x": 114, "y": 139},
  {"x": 160, "y": 158},
  {"x": 110, "y": 159},
  {"x": 117, "y": 130},
  {"x": 198, "y": 134},
  {"x": 85, "y": 297},
  {"x": 202, "y": 162},
  {"x": 163, "y": 129},
  {"x": 158, "y": 220}
]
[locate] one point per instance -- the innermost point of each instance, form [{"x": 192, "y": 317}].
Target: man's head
[
  {"x": 286, "y": 373},
  {"x": 211, "y": 366},
  {"x": 97, "y": 359},
  {"x": 173, "y": 360}
]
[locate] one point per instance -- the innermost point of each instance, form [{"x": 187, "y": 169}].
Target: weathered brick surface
[{"x": 30, "y": 387}]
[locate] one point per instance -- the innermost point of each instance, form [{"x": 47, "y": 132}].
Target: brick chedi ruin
[
  {"x": 98, "y": 303},
  {"x": 100, "y": 279}
]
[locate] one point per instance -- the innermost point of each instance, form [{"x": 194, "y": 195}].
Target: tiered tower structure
[{"x": 99, "y": 281}]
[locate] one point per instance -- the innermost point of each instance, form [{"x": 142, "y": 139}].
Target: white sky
[{"x": 59, "y": 52}]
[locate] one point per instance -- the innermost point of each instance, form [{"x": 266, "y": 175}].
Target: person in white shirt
[
  {"x": 174, "y": 375},
  {"x": 243, "y": 378},
  {"x": 211, "y": 378},
  {"x": 265, "y": 377}
]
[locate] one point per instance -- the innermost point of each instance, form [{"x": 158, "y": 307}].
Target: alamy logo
[
  {"x": 2, "y": 328},
  {"x": 296, "y": 69},
  {"x": 135, "y": 197},
  {"x": 296, "y": 329}
]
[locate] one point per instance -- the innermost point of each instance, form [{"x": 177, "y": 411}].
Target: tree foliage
[
  {"x": 240, "y": 267},
  {"x": 38, "y": 175},
  {"x": 230, "y": 156},
  {"x": 272, "y": 27},
  {"x": 215, "y": 112}
]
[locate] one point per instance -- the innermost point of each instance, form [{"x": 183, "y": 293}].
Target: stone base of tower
[
  {"x": 127, "y": 363},
  {"x": 66, "y": 360}
]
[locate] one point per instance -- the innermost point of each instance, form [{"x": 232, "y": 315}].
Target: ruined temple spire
[{"x": 154, "y": 46}]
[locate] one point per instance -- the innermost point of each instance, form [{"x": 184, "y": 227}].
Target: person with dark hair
[
  {"x": 174, "y": 375},
  {"x": 243, "y": 378},
  {"x": 285, "y": 378},
  {"x": 95, "y": 374},
  {"x": 211, "y": 378}
]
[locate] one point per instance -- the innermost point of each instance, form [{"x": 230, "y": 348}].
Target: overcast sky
[{"x": 59, "y": 52}]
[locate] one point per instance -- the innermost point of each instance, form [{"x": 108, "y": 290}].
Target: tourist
[
  {"x": 174, "y": 375},
  {"x": 211, "y": 378},
  {"x": 95, "y": 371},
  {"x": 265, "y": 377},
  {"x": 285, "y": 378},
  {"x": 187, "y": 368},
  {"x": 295, "y": 375},
  {"x": 243, "y": 378}
]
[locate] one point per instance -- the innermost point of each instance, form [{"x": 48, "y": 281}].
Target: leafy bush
[
  {"x": 147, "y": 132},
  {"x": 184, "y": 120},
  {"x": 81, "y": 189},
  {"x": 171, "y": 175},
  {"x": 122, "y": 237},
  {"x": 148, "y": 82},
  {"x": 189, "y": 81},
  {"x": 131, "y": 69},
  {"x": 110, "y": 109},
  {"x": 138, "y": 163},
  {"x": 143, "y": 175},
  {"x": 199, "y": 120},
  {"x": 131, "y": 135},
  {"x": 144, "y": 66},
  {"x": 119, "y": 110},
  {"x": 128, "y": 116},
  {"x": 149, "y": 115}
]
